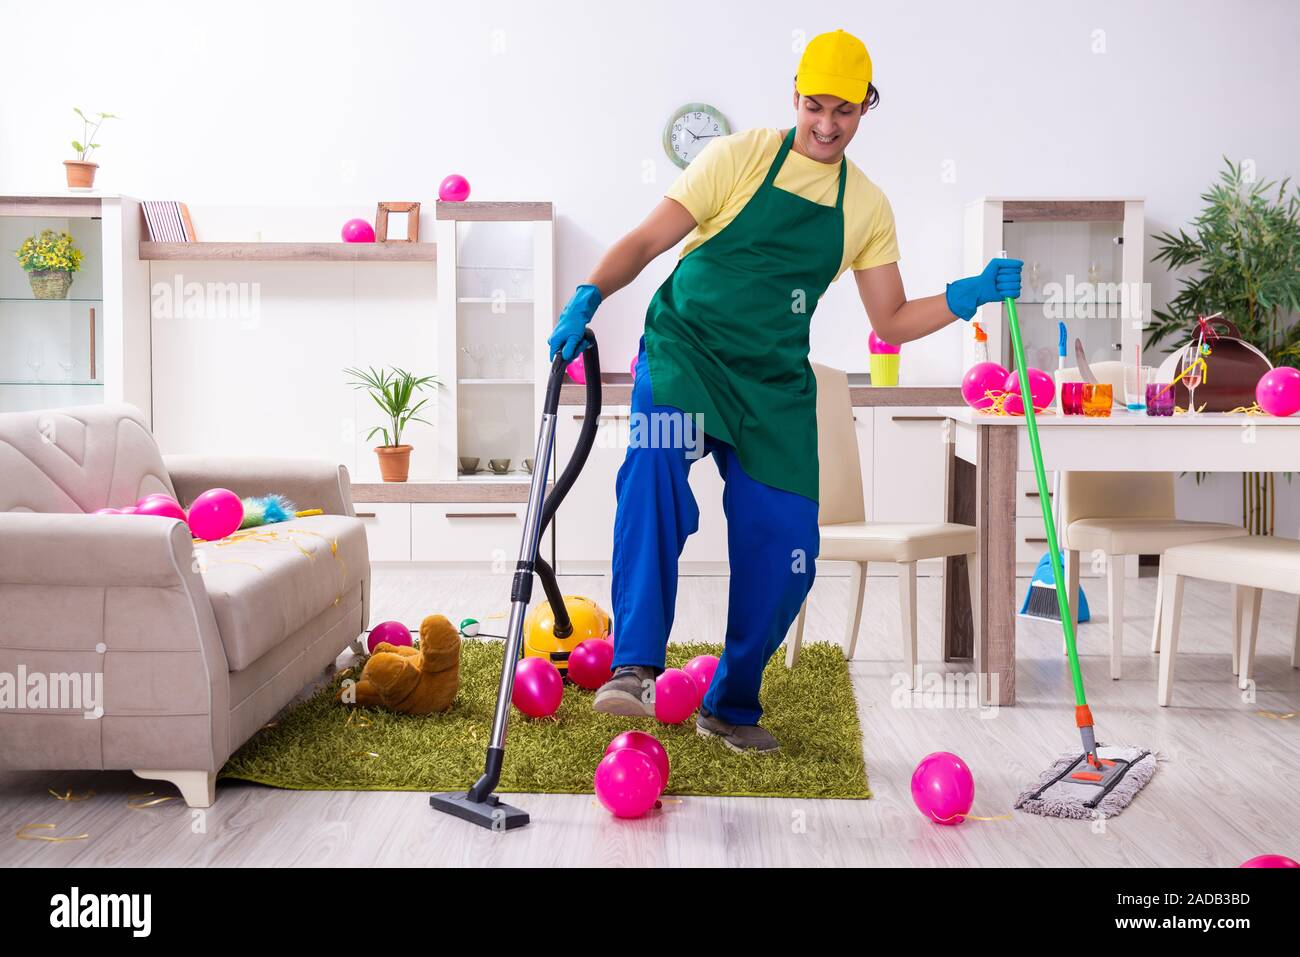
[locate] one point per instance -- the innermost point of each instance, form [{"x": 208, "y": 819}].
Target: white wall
[{"x": 342, "y": 104}]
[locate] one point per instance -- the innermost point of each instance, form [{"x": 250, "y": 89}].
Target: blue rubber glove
[
  {"x": 999, "y": 280},
  {"x": 572, "y": 324}
]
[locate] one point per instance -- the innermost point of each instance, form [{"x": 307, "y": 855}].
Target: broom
[{"x": 1102, "y": 780}]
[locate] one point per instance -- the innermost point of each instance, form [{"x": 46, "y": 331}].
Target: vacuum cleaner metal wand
[{"x": 479, "y": 805}]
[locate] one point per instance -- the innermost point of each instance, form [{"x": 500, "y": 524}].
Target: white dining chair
[
  {"x": 1111, "y": 515},
  {"x": 847, "y": 536}
]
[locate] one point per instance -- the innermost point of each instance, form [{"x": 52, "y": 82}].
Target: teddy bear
[{"x": 408, "y": 680}]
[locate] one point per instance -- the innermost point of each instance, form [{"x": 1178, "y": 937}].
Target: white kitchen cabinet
[
  {"x": 388, "y": 529},
  {"x": 909, "y": 458},
  {"x": 478, "y": 534}
]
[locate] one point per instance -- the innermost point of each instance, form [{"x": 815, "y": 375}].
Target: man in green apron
[{"x": 775, "y": 216}]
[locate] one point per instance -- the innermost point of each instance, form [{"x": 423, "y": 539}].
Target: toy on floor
[
  {"x": 702, "y": 668},
  {"x": 1270, "y": 860},
  {"x": 627, "y": 783},
  {"x": 416, "y": 681},
  {"x": 591, "y": 663},
  {"x": 943, "y": 788},
  {"x": 676, "y": 696},
  {"x": 538, "y": 689},
  {"x": 648, "y": 745},
  {"x": 392, "y": 632}
]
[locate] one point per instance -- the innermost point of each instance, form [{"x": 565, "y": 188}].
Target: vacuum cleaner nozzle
[{"x": 490, "y": 813}]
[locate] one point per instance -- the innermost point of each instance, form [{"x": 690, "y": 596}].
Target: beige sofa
[{"x": 157, "y": 654}]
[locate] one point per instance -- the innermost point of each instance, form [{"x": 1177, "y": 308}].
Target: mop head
[{"x": 1058, "y": 794}]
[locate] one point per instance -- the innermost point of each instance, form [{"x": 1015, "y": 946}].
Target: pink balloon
[
  {"x": 577, "y": 371},
  {"x": 701, "y": 669},
  {"x": 979, "y": 379},
  {"x": 943, "y": 788},
  {"x": 676, "y": 696},
  {"x": 648, "y": 745},
  {"x": 128, "y": 510},
  {"x": 161, "y": 505},
  {"x": 590, "y": 664},
  {"x": 393, "y": 632},
  {"x": 627, "y": 783},
  {"x": 215, "y": 514},
  {"x": 632, "y": 368},
  {"x": 1041, "y": 390},
  {"x": 358, "y": 231},
  {"x": 1278, "y": 391},
  {"x": 107, "y": 511},
  {"x": 539, "y": 689},
  {"x": 879, "y": 347},
  {"x": 454, "y": 189},
  {"x": 1271, "y": 860},
  {"x": 170, "y": 498}
]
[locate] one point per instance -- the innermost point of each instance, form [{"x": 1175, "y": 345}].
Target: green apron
[{"x": 726, "y": 335}]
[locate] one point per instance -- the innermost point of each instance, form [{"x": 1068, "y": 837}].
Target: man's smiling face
[{"x": 824, "y": 125}]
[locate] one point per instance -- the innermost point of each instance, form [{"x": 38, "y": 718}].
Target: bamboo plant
[{"x": 1244, "y": 250}]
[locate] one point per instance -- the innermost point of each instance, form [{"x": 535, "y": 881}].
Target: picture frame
[{"x": 412, "y": 211}]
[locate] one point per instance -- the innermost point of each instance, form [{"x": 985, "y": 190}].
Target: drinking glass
[
  {"x": 1193, "y": 378},
  {"x": 1160, "y": 398},
  {"x": 1135, "y": 386},
  {"x": 1097, "y": 398},
  {"x": 1072, "y": 398}
]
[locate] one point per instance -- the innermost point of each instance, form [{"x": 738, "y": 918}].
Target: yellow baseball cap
[{"x": 836, "y": 63}]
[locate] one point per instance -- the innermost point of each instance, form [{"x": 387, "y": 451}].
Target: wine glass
[
  {"x": 517, "y": 357},
  {"x": 1191, "y": 362},
  {"x": 65, "y": 363},
  {"x": 471, "y": 367},
  {"x": 497, "y": 352},
  {"x": 35, "y": 357}
]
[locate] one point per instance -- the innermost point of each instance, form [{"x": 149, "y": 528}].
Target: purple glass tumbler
[{"x": 1160, "y": 398}]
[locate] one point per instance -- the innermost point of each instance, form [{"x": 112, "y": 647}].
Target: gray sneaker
[
  {"x": 630, "y": 693},
  {"x": 739, "y": 737}
]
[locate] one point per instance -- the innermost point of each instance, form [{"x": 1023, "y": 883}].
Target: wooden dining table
[{"x": 985, "y": 451}]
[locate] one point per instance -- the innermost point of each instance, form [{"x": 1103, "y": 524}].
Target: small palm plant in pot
[{"x": 394, "y": 391}]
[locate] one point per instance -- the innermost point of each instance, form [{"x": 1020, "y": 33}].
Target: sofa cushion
[
  {"x": 265, "y": 583},
  {"x": 78, "y": 459}
]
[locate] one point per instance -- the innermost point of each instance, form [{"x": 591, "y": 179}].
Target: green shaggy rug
[{"x": 321, "y": 745}]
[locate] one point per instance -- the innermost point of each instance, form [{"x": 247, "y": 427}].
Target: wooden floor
[{"x": 1228, "y": 789}]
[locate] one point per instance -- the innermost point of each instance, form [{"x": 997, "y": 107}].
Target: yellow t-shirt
[{"x": 729, "y": 171}]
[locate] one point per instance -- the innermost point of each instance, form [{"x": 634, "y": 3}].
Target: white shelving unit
[
  {"x": 1083, "y": 266},
  {"x": 1088, "y": 253},
  {"x": 94, "y": 345},
  {"x": 496, "y": 282}
]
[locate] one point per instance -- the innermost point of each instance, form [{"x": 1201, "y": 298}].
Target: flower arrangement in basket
[{"x": 50, "y": 259}]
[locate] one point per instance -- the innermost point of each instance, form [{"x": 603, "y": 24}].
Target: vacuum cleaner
[{"x": 479, "y": 805}]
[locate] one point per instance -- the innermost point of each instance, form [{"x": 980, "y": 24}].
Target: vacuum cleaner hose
[{"x": 586, "y": 439}]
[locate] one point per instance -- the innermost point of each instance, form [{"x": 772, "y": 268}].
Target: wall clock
[{"x": 690, "y": 128}]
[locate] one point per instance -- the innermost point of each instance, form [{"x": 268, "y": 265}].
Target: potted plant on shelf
[
  {"x": 49, "y": 260},
  {"x": 394, "y": 391},
  {"x": 80, "y": 171}
]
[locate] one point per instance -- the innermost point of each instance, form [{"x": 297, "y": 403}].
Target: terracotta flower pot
[
  {"x": 394, "y": 462},
  {"x": 81, "y": 173},
  {"x": 50, "y": 284}
]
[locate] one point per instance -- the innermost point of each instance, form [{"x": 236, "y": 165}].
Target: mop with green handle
[{"x": 1101, "y": 781}]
